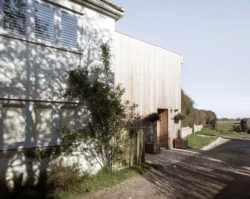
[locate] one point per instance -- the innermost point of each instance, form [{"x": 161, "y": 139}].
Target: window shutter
[
  {"x": 44, "y": 22},
  {"x": 69, "y": 30},
  {"x": 14, "y": 16}
]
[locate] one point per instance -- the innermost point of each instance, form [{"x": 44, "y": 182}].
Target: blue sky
[{"x": 214, "y": 38}]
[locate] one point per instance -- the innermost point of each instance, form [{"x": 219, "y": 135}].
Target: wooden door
[{"x": 163, "y": 128}]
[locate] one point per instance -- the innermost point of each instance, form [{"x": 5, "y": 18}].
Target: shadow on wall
[
  {"x": 31, "y": 71},
  {"x": 223, "y": 172},
  {"x": 36, "y": 72}
]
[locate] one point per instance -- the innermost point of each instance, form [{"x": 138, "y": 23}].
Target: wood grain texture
[{"x": 151, "y": 76}]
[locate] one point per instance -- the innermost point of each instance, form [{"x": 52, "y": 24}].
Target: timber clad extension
[
  {"x": 40, "y": 40},
  {"x": 151, "y": 76}
]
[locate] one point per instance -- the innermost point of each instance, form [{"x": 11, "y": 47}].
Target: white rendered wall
[
  {"x": 186, "y": 131},
  {"x": 37, "y": 71}
]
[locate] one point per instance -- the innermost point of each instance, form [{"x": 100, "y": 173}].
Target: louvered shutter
[
  {"x": 69, "y": 30},
  {"x": 14, "y": 16},
  {"x": 44, "y": 22}
]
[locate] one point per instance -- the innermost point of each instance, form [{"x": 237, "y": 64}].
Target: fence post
[
  {"x": 138, "y": 148},
  {"x": 143, "y": 138},
  {"x": 1, "y": 124}
]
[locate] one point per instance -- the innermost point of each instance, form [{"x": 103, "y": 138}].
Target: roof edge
[
  {"x": 104, "y": 7},
  {"x": 180, "y": 54},
  {"x": 113, "y": 5}
]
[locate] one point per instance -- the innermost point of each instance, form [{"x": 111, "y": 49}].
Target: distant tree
[
  {"x": 196, "y": 116},
  {"x": 186, "y": 103},
  {"x": 243, "y": 124}
]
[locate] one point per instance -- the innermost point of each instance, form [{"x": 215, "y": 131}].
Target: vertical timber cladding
[{"x": 151, "y": 77}]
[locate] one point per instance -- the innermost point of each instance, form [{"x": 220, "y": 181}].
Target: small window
[
  {"x": 44, "y": 22},
  {"x": 69, "y": 30},
  {"x": 14, "y": 16},
  {"x": 14, "y": 124},
  {"x": 68, "y": 117},
  {"x": 43, "y": 124}
]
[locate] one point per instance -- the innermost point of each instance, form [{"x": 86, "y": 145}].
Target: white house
[{"x": 40, "y": 40}]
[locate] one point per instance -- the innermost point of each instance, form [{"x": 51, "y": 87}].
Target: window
[
  {"x": 44, "y": 22},
  {"x": 43, "y": 124},
  {"x": 68, "y": 117},
  {"x": 54, "y": 25},
  {"x": 14, "y": 124},
  {"x": 69, "y": 30},
  {"x": 14, "y": 16}
]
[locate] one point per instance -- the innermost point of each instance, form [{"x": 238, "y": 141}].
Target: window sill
[
  {"x": 39, "y": 42},
  {"x": 22, "y": 146}
]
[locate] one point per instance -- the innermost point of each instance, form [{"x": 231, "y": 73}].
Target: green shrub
[
  {"x": 196, "y": 116},
  {"x": 243, "y": 124},
  {"x": 237, "y": 128},
  {"x": 105, "y": 112},
  {"x": 179, "y": 117},
  {"x": 64, "y": 177},
  {"x": 153, "y": 117},
  {"x": 243, "y": 127}
]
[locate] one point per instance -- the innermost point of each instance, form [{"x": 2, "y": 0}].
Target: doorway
[{"x": 162, "y": 134}]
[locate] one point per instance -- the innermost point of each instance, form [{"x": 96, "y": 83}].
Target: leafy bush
[
  {"x": 105, "y": 112},
  {"x": 178, "y": 117},
  {"x": 243, "y": 124},
  {"x": 196, "y": 116},
  {"x": 237, "y": 128},
  {"x": 64, "y": 177},
  {"x": 153, "y": 117},
  {"x": 243, "y": 127}
]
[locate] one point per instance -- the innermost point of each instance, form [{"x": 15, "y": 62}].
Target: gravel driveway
[{"x": 222, "y": 172}]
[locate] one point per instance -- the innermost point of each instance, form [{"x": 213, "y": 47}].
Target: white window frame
[{"x": 30, "y": 26}]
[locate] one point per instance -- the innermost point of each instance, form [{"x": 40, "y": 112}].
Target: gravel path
[{"x": 222, "y": 172}]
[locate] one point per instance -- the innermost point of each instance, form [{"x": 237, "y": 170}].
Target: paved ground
[{"x": 222, "y": 172}]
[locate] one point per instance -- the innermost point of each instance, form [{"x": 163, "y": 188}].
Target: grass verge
[
  {"x": 101, "y": 180},
  {"x": 201, "y": 139},
  {"x": 206, "y": 135}
]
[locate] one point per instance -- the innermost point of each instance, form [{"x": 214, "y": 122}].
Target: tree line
[{"x": 196, "y": 116}]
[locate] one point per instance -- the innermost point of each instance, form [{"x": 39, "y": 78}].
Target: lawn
[
  {"x": 206, "y": 135},
  {"x": 226, "y": 128},
  {"x": 202, "y": 138}
]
